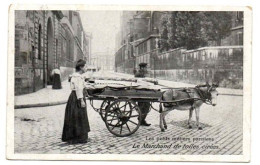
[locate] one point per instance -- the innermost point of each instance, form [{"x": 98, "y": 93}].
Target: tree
[
  {"x": 217, "y": 25},
  {"x": 190, "y": 24},
  {"x": 164, "y": 46},
  {"x": 193, "y": 29}
]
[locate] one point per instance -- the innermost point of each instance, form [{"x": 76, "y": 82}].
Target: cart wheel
[
  {"x": 102, "y": 111},
  {"x": 103, "y": 108},
  {"x": 122, "y": 117}
]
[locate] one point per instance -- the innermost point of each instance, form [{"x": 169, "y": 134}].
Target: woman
[
  {"x": 76, "y": 125},
  {"x": 56, "y": 78}
]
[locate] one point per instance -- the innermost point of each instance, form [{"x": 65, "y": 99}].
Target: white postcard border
[{"x": 247, "y": 80}]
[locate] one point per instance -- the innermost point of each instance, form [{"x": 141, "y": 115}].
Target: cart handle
[{"x": 175, "y": 101}]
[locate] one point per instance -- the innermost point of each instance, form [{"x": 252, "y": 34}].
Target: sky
[{"x": 104, "y": 26}]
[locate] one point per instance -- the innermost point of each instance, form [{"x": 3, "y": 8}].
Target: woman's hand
[
  {"x": 89, "y": 86},
  {"x": 82, "y": 103}
]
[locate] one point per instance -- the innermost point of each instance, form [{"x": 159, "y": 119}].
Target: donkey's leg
[
  {"x": 161, "y": 122},
  {"x": 164, "y": 122},
  {"x": 197, "y": 110},
  {"x": 162, "y": 118},
  {"x": 190, "y": 116}
]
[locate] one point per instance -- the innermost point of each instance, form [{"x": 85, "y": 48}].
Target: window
[
  {"x": 131, "y": 38},
  {"x": 239, "y": 19},
  {"x": 32, "y": 54},
  {"x": 145, "y": 47},
  {"x": 141, "y": 48},
  {"x": 239, "y": 15},
  {"x": 69, "y": 50},
  {"x": 64, "y": 47},
  {"x": 79, "y": 33},
  {"x": 70, "y": 17},
  {"x": 56, "y": 50},
  {"x": 69, "y": 46},
  {"x": 239, "y": 38},
  {"x": 39, "y": 42},
  {"x": 135, "y": 36}
]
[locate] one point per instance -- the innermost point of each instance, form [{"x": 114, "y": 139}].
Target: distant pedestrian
[
  {"x": 142, "y": 71},
  {"x": 56, "y": 78},
  {"x": 135, "y": 71},
  {"x": 76, "y": 123}
]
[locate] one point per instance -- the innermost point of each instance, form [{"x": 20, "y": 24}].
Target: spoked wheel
[
  {"x": 122, "y": 117},
  {"x": 103, "y": 108}
]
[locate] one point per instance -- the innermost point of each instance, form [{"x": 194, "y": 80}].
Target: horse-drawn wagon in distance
[{"x": 121, "y": 113}]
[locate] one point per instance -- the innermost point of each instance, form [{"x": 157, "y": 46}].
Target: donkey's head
[
  {"x": 213, "y": 93},
  {"x": 210, "y": 93}
]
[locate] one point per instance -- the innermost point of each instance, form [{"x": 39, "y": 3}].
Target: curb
[{"x": 39, "y": 105}]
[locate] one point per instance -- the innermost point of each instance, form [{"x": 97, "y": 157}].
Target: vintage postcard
[{"x": 143, "y": 83}]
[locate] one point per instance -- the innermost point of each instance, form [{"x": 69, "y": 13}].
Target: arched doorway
[{"x": 50, "y": 50}]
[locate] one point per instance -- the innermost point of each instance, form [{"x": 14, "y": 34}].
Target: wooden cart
[{"x": 119, "y": 109}]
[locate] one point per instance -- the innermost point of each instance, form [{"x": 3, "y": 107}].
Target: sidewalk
[{"x": 44, "y": 97}]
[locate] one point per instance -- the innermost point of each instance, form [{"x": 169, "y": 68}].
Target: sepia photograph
[{"x": 150, "y": 84}]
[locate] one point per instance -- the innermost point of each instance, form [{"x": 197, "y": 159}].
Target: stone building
[{"x": 45, "y": 40}]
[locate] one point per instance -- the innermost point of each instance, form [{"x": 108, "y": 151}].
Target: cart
[{"x": 119, "y": 109}]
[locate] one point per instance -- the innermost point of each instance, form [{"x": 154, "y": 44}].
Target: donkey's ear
[
  {"x": 207, "y": 83},
  {"x": 217, "y": 84}
]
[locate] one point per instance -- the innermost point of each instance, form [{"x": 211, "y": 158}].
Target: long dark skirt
[
  {"x": 76, "y": 125},
  {"x": 56, "y": 82}
]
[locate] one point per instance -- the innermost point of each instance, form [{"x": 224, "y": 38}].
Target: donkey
[{"x": 187, "y": 99}]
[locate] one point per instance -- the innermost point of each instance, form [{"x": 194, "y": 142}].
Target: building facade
[
  {"x": 45, "y": 40},
  {"x": 87, "y": 46},
  {"x": 222, "y": 62}
]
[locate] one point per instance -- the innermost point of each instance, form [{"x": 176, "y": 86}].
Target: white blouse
[
  {"x": 55, "y": 71},
  {"x": 77, "y": 84}
]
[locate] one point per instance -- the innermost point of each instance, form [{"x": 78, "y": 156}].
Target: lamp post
[
  {"x": 206, "y": 70},
  {"x": 154, "y": 54}
]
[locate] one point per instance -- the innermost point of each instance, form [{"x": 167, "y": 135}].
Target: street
[{"x": 38, "y": 130}]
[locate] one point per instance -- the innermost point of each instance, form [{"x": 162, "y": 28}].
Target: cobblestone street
[{"x": 38, "y": 130}]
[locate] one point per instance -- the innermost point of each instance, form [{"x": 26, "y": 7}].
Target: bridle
[{"x": 205, "y": 96}]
